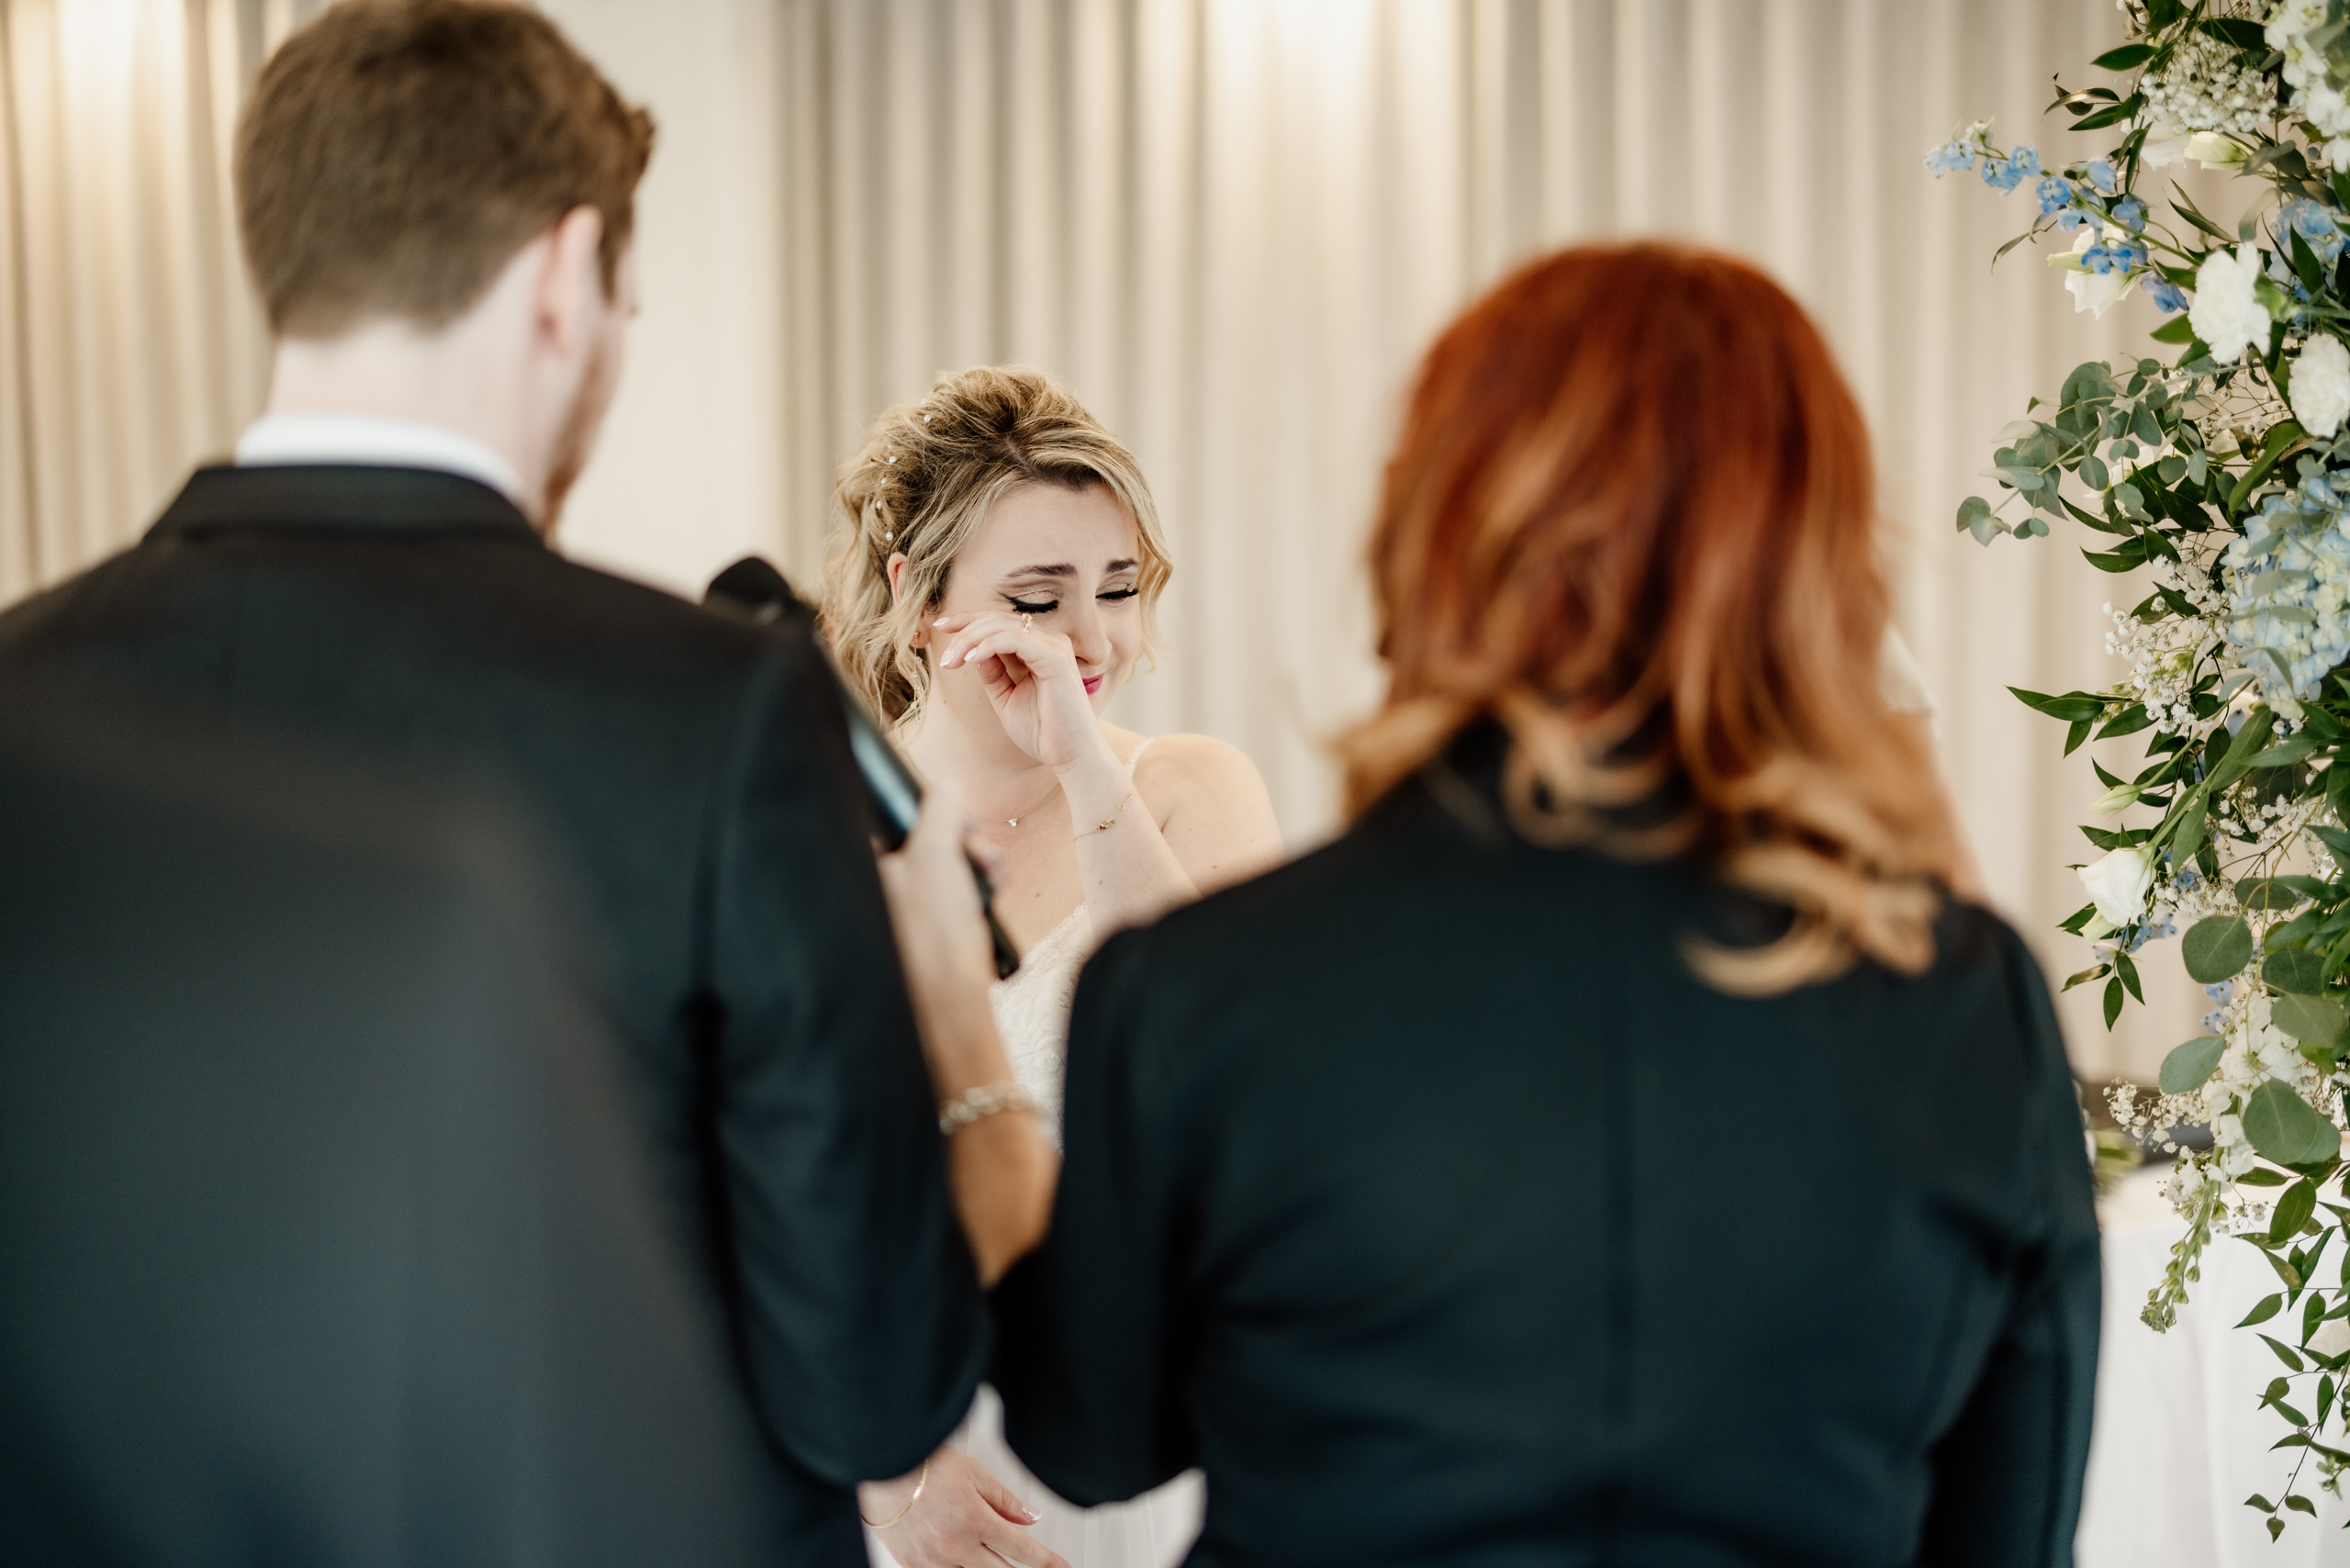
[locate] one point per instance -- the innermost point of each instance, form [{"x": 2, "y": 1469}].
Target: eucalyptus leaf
[
  {"x": 2188, "y": 1067},
  {"x": 2280, "y": 1127},
  {"x": 2266, "y": 893},
  {"x": 2311, "y": 1018},
  {"x": 2296, "y": 971},
  {"x": 2217, "y": 947}
]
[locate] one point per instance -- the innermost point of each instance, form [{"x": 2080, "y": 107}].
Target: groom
[{"x": 436, "y": 199}]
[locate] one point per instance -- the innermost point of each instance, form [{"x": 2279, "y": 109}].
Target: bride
[{"x": 991, "y": 587}]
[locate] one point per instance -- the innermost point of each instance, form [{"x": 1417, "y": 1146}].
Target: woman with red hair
[{"x": 1619, "y": 1147}]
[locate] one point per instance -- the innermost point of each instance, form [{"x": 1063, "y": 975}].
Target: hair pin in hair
[{"x": 893, "y": 457}]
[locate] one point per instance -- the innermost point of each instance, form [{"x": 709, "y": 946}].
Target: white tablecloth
[{"x": 2180, "y": 1439}]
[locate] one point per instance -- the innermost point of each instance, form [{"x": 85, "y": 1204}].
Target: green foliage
[
  {"x": 2188, "y": 1067},
  {"x": 2195, "y": 482},
  {"x": 2280, "y": 1125},
  {"x": 2217, "y": 947}
]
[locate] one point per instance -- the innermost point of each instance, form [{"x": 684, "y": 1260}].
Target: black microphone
[{"x": 752, "y": 587}]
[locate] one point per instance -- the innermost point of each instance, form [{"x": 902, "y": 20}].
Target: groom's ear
[{"x": 569, "y": 301}]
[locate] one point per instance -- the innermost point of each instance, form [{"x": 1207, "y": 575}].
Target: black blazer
[
  {"x": 695, "y": 772},
  {"x": 1421, "y": 1196},
  {"x": 327, "y": 1234}
]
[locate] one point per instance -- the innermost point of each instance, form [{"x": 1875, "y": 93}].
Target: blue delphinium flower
[
  {"x": 2187, "y": 880},
  {"x": 2007, "y": 174},
  {"x": 2131, "y": 213},
  {"x": 2211, "y": 1022},
  {"x": 2167, "y": 295},
  {"x": 2100, "y": 174},
  {"x": 2113, "y": 255},
  {"x": 1951, "y": 156},
  {"x": 2055, "y": 194},
  {"x": 2222, "y": 993},
  {"x": 2289, "y": 581},
  {"x": 2317, "y": 226}
]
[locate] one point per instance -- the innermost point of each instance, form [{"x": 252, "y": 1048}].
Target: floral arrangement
[{"x": 2224, "y": 474}]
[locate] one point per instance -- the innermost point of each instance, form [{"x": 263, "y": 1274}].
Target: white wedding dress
[{"x": 1157, "y": 1528}]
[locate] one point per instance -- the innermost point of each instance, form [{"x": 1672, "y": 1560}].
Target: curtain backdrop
[
  {"x": 1229, "y": 225},
  {"x": 128, "y": 341}
]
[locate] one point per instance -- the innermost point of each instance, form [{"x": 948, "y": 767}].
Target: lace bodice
[
  {"x": 1032, "y": 1013},
  {"x": 1032, "y": 1007}
]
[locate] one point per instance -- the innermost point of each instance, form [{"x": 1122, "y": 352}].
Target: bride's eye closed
[
  {"x": 1021, "y": 606},
  {"x": 1118, "y": 593}
]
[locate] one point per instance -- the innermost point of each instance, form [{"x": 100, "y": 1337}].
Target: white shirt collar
[{"x": 369, "y": 441}]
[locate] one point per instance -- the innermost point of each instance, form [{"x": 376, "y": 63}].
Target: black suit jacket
[
  {"x": 1419, "y": 1193},
  {"x": 694, "y": 772},
  {"x": 327, "y": 1236}
]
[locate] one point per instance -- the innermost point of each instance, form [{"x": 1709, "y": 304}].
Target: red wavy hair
[{"x": 1632, "y": 516}]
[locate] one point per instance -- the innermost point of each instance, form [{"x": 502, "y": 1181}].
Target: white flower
[
  {"x": 2322, "y": 386},
  {"x": 2092, "y": 291},
  {"x": 2118, "y": 884},
  {"x": 2167, "y": 143},
  {"x": 2118, "y": 798},
  {"x": 2293, "y": 17},
  {"x": 2213, "y": 150},
  {"x": 2332, "y": 1337},
  {"x": 2226, "y": 315},
  {"x": 2320, "y": 103}
]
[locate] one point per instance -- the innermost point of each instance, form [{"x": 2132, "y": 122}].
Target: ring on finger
[{"x": 1028, "y": 621}]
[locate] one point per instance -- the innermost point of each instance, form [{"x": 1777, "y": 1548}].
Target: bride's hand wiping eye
[{"x": 1032, "y": 680}]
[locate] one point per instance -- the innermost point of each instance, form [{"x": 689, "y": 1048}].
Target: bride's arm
[
  {"x": 1199, "y": 819},
  {"x": 1000, "y": 1167}
]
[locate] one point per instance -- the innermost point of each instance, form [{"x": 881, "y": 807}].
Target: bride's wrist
[{"x": 1093, "y": 783}]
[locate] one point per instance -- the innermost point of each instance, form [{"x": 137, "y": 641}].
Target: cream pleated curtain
[
  {"x": 1229, "y": 225},
  {"x": 128, "y": 341}
]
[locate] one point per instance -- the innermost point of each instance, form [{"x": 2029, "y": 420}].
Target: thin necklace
[{"x": 1015, "y": 822}]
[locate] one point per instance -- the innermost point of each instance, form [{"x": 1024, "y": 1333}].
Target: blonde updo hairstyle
[{"x": 920, "y": 485}]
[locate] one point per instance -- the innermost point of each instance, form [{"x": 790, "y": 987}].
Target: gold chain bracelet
[
  {"x": 909, "y": 1508},
  {"x": 1111, "y": 819}
]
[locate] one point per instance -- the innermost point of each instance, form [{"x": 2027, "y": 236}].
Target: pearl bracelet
[{"x": 978, "y": 1103}]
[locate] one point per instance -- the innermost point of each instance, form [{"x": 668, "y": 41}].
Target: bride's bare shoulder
[{"x": 1185, "y": 768}]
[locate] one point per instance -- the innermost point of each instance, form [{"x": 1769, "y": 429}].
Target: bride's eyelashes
[{"x": 1022, "y": 606}]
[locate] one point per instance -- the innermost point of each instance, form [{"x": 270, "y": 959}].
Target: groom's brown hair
[{"x": 397, "y": 153}]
